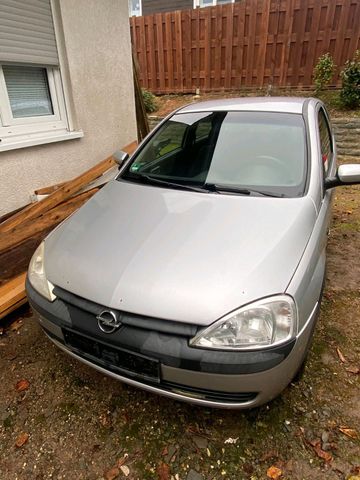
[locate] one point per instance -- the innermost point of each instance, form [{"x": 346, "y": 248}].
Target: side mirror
[
  {"x": 120, "y": 157},
  {"x": 345, "y": 175}
]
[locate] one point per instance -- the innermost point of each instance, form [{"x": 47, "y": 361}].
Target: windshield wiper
[
  {"x": 219, "y": 188},
  {"x": 150, "y": 179}
]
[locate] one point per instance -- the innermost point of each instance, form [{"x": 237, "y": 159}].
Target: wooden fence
[{"x": 251, "y": 43}]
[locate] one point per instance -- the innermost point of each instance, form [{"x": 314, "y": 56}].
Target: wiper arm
[
  {"x": 155, "y": 180},
  {"x": 218, "y": 187}
]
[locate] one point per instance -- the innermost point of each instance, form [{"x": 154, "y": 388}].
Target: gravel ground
[{"x": 62, "y": 420}]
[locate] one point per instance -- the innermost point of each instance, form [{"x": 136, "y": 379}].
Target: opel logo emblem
[{"x": 108, "y": 321}]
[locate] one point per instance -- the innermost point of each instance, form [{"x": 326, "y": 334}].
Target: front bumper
[{"x": 155, "y": 355}]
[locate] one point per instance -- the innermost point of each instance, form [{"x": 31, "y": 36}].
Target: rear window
[{"x": 243, "y": 149}]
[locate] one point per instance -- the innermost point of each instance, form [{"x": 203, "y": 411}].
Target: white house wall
[{"x": 96, "y": 44}]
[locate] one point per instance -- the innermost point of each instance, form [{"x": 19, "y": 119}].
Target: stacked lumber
[{"x": 22, "y": 231}]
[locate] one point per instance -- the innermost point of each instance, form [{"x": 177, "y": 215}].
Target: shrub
[
  {"x": 323, "y": 72},
  {"x": 149, "y": 100},
  {"x": 350, "y": 89}
]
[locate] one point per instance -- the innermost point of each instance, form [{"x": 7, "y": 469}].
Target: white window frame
[
  {"x": 35, "y": 130},
  {"x": 131, "y": 14},
  {"x": 199, "y": 3}
]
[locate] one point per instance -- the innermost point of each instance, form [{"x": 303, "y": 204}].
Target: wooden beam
[
  {"x": 61, "y": 194},
  {"x": 12, "y": 294},
  {"x": 49, "y": 190},
  {"x": 28, "y": 228}
]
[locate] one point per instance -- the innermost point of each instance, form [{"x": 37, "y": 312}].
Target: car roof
[{"x": 252, "y": 104}]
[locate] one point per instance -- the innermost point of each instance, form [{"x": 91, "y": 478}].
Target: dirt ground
[{"x": 62, "y": 420}]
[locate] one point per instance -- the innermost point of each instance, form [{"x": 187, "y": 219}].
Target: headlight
[
  {"x": 36, "y": 274},
  {"x": 268, "y": 322}
]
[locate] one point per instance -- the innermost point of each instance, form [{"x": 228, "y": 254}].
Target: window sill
[{"x": 30, "y": 140}]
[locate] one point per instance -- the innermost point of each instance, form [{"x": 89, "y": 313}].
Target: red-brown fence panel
[{"x": 251, "y": 43}]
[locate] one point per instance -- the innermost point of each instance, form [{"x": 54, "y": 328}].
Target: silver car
[{"x": 197, "y": 273}]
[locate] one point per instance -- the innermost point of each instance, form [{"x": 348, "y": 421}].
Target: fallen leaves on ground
[
  {"x": 316, "y": 444},
  {"x": 22, "y": 385},
  {"x": 349, "y": 432},
  {"x": 163, "y": 471},
  {"x": 22, "y": 439},
  {"x": 274, "y": 472},
  {"x": 340, "y": 355},
  {"x": 353, "y": 369},
  {"x": 231, "y": 440},
  {"x": 112, "y": 473},
  {"x": 14, "y": 327},
  {"x": 125, "y": 470}
]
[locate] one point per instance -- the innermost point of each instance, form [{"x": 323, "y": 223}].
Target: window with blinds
[
  {"x": 28, "y": 91},
  {"x": 27, "y": 32}
]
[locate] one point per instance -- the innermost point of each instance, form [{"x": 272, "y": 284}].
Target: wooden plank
[
  {"x": 179, "y": 55},
  {"x": 229, "y": 44},
  {"x": 186, "y": 35},
  {"x": 60, "y": 195},
  {"x": 160, "y": 49},
  {"x": 285, "y": 52},
  {"x": 143, "y": 67},
  {"x": 152, "y": 47},
  {"x": 274, "y": 44},
  {"x": 196, "y": 71},
  {"x": 314, "y": 32},
  {"x": 217, "y": 49},
  {"x": 26, "y": 229},
  {"x": 48, "y": 190},
  {"x": 263, "y": 42},
  {"x": 16, "y": 260},
  {"x": 130, "y": 147},
  {"x": 14, "y": 306},
  {"x": 299, "y": 42},
  {"x": 142, "y": 122},
  {"x": 241, "y": 8},
  {"x": 330, "y": 13},
  {"x": 10, "y": 214},
  {"x": 250, "y": 60},
  {"x": 11, "y": 293},
  {"x": 169, "y": 51},
  {"x": 207, "y": 49},
  {"x": 355, "y": 37},
  {"x": 340, "y": 35}
]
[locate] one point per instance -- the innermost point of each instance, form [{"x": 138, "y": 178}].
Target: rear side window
[{"x": 325, "y": 141}]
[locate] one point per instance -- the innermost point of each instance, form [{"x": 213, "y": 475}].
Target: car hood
[{"x": 176, "y": 254}]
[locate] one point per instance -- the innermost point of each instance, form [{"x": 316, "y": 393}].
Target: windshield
[{"x": 252, "y": 150}]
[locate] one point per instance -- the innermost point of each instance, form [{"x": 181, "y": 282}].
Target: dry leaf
[
  {"x": 231, "y": 440},
  {"x": 112, "y": 473},
  {"x": 353, "y": 369},
  {"x": 340, "y": 355},
  {"x": 273, "y": 472},
  {"x": 320, "y": 452},
  {"x": 163, "y": 471},
  {"x": 164, "y": 451},
  {"x": 16, "y": 325},
  {"x": 122, "y": 460},
  {"x": 349, "y": 432},
  {"x": 22, "y": 385},
  {"x": 125, "y": 470},
  {"x": 22, "y": 439}
]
